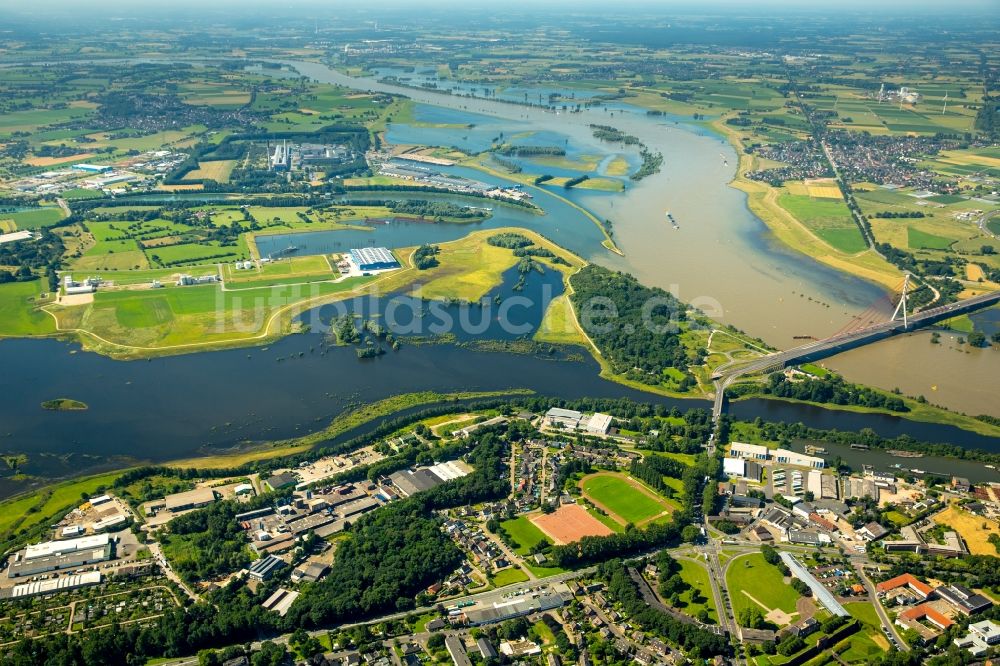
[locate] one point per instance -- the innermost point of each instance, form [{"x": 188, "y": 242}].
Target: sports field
[
  {"x": 752, "y": 582},
  {"x": 623, "y": 497},
  {"x": 570, "y": 523}
]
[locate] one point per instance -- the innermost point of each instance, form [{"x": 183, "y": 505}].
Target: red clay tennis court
[{"x": 570, "y": 523}]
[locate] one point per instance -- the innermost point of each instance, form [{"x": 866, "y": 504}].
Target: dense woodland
[{"x": 637, "y": 328}]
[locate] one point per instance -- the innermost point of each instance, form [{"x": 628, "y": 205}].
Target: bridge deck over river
[{"x": 814, "y": 351}]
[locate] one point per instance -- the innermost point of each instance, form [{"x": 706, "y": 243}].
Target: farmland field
[
  {"x": 33, "y": 219},
  {"x": 921, "y": 240},
  {"x": 16, "y": 315},
  {"x": 827, "y": 218},
  {"x": 218, "y": 171}
]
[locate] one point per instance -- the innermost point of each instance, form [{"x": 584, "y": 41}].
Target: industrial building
[
  {"x": 748, "y": 451},
  {"x": 48, "y": 586},
  {"x": 599, "y": 424},
  {"x": 373, "y": 259},
  {"x": 281, "y": 158},
  {"x": 410, "y": 482},
  {"x": 965, "y": 600},
  {"x": 191, "y": 499},
  {"x": 565, "y": 418},
  {"x": 91, "y": 168},
  {"x": 189, "y": 281},
  {"x": 787, "y": 457},
  {"x": 265, "y": 567},
  {"x": 16, "y": 236},
  {"x": 279, "y": 481},
  {"x": 57, "y": 555},
  {"x": 517, "y": 608}
]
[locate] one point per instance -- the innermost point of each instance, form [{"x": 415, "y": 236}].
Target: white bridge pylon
[{"x": 902, "y": 303}]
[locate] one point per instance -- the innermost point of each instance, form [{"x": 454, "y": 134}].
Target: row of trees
[
  {"x": 697, "y": 642},
  {"x": 831, "y": 389}
]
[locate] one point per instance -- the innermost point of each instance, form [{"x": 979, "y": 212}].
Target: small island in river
[{"x": 64, "y": 405}]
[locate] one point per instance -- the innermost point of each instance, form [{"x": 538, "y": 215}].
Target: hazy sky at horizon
[{"x": 752, "y": 6}]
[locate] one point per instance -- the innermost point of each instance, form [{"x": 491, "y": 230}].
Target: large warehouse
[
  {"x": 56, "y": 555},
  {"x": 373, "y": 258}
]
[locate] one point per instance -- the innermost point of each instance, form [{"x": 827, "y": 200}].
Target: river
[{"x": 723, "y": 259}]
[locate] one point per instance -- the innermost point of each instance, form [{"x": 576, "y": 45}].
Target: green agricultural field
[
  {"x": 163, "y": 318},
  {"x": 524, "y": 533},
  {"x": 194, "y": 253},
  {"x": 921, "y": 240},
  {"x": 18, "y": 314},
  {"x": 31, "y": 119},
  {"x": 80, "y": 193},
  {"x": 34, "y": 219},
  {"x": 289, "y": 270},
  {"x": 829, "y": 219},
  {"x": 946, "y": 199},
  {"x": 624, "y": 497},
  {"x": 751, "y": 575}
]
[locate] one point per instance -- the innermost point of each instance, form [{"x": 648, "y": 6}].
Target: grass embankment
[{"x": 763, "y": 200}]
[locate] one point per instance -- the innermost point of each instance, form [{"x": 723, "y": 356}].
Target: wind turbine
[{"x": 945, "y": 107}]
